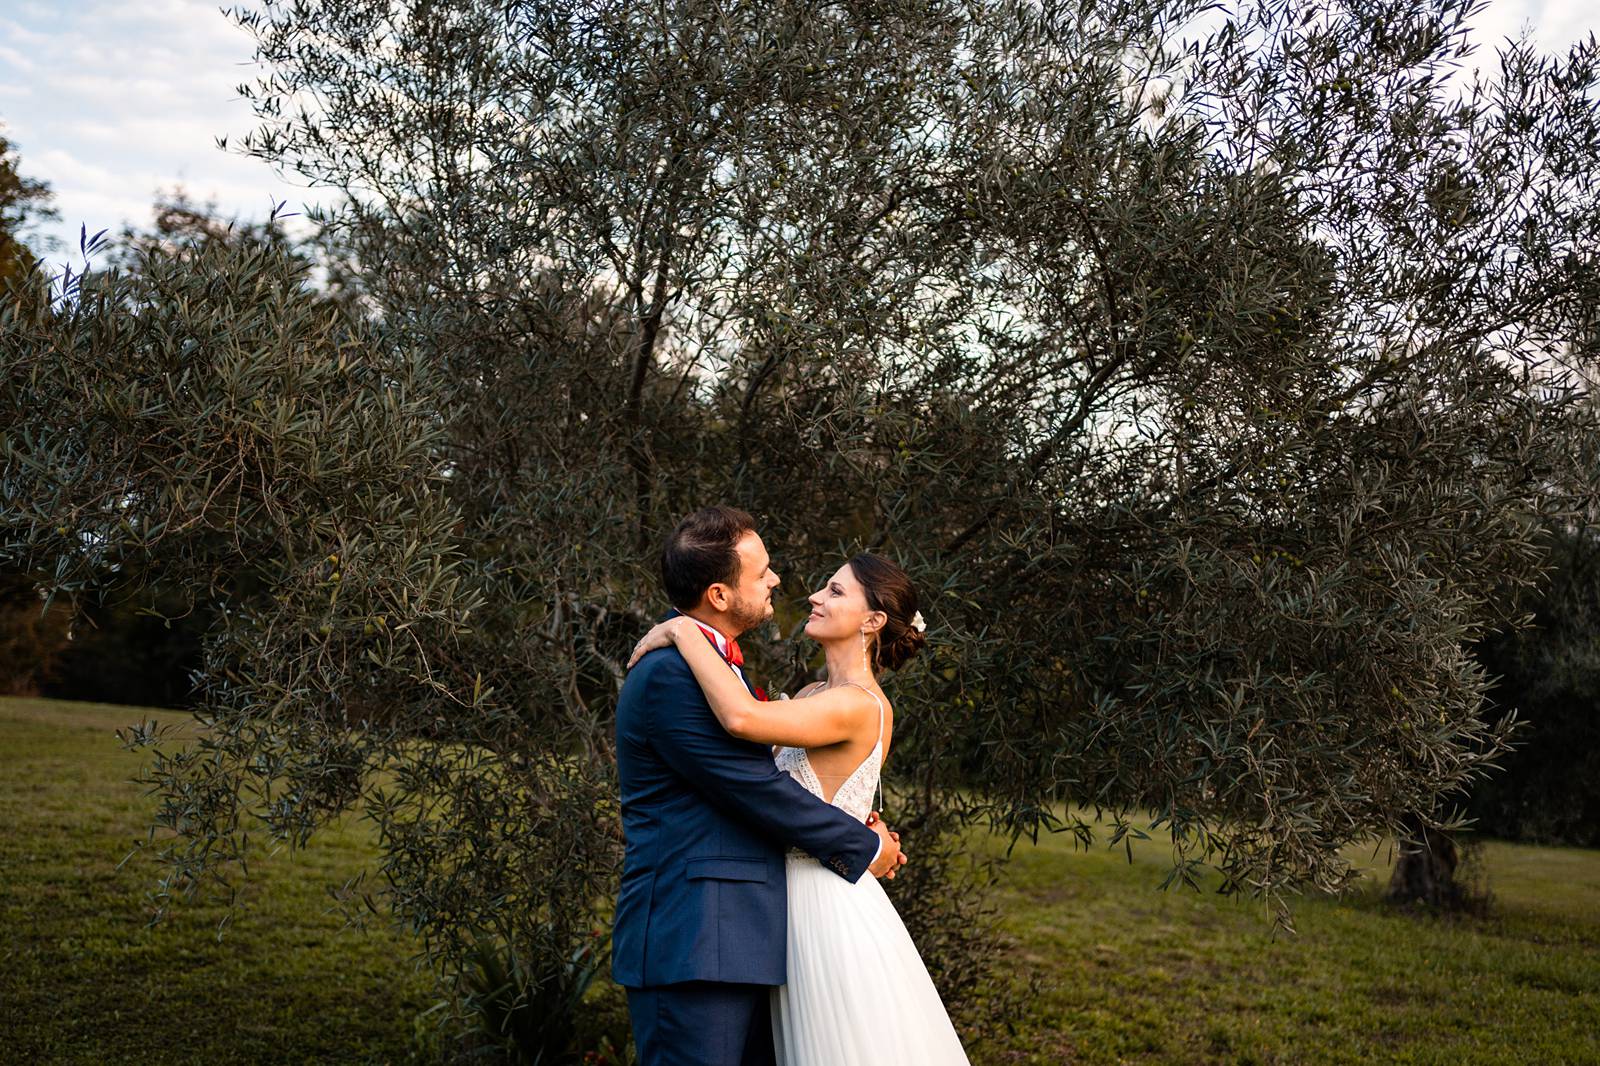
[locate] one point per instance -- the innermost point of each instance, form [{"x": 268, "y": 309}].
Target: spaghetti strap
[
  {"x": 875, "y": 699},
  {"x": 879, "y": 746}
]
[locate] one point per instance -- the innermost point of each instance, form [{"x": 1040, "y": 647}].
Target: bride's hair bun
[{"x": 889, "y": 589}]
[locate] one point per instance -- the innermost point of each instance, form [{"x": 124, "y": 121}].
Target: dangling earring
[{"x": 864, "y": 664}]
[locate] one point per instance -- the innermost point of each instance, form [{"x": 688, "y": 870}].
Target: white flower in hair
[{"x": 918, "y": 624}]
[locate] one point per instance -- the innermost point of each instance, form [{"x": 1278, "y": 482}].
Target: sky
[{"x": 113, "y": 101}]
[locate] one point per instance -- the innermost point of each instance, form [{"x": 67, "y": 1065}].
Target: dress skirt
[{"x": 858, "y": 993}]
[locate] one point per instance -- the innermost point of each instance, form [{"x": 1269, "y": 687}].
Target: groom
[{"x": 700, "y": 935}]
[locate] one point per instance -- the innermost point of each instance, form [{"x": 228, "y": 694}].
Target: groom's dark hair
[{"x": 701, "y": 553}]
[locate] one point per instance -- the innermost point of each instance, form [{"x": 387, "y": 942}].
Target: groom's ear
[{"x": 716, "y": 597}]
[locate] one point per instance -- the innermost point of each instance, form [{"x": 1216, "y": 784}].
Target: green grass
[
  {"x": 85, "y": 979},
  {"x": 1130, "y": 974}
]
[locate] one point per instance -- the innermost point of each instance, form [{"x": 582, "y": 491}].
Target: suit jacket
[{"x": 707, "y": 818}]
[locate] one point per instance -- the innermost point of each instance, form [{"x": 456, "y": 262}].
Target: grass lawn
[
  {"x": 84, "y": 980},
  {"x": 1130, "y": 974},
  {"x": 1138, "y": 975}
]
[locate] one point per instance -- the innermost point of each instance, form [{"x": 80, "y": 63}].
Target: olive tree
[{"x": 1211, "y": 370}]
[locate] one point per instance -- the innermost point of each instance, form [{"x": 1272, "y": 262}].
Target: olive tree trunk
[{"x": 1426, "y": 871}]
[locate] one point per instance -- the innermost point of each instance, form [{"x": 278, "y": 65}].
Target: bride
[{"x": 857, "y": 992}]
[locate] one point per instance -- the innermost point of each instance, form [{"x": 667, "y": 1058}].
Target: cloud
[
  {"x": 14, "y": 59},
  {"x": 1552, "y": 25},
  {"x": 110, "y": 102},
  {"x": 1564, "y": 22}
]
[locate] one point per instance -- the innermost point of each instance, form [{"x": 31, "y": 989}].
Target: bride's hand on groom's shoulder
[
  {"x": 658, "y": 637},
  {"x": 890, "y": 857}
]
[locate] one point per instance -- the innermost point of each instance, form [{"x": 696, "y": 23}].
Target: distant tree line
[{"x": 1548, "y": 788}]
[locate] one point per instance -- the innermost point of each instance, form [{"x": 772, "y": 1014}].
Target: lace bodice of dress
[{"x": 854, "y": 796}]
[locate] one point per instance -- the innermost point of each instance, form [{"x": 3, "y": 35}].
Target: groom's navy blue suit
[{"x": 700, "y": 934}]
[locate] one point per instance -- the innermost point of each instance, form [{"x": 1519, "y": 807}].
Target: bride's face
[{"x": 839, "y": 608}]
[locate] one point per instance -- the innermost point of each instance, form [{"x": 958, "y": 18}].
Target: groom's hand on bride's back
[{"x": 890, "y": 857}]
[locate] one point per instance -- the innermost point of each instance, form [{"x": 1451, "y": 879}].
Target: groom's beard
[{"x": 748, "y": 614}]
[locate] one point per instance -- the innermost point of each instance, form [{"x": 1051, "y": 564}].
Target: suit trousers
[{"x": 702, "y": 1023}]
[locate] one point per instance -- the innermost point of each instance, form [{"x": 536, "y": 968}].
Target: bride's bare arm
[{"x": 810, "y": 722}]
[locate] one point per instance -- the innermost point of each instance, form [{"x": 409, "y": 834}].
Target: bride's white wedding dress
[{"x": 858, "y": 993}]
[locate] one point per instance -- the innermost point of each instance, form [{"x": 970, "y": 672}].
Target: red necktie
[
  {"x": 736, "y": 658},
  {"x": 732, "y": 655}
]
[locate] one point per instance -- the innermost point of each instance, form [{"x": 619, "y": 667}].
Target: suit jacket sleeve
[{"x": 740, "y": 777}]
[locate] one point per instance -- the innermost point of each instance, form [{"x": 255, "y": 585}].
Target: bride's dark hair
[{"x": 889, "y": 589}]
